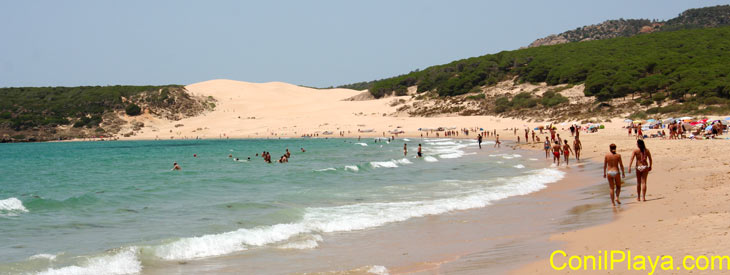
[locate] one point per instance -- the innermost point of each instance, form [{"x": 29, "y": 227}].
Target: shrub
[{"x": 133, "y": 110}]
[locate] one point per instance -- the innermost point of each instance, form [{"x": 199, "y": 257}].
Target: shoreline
[{"x": 453, "y": 240}]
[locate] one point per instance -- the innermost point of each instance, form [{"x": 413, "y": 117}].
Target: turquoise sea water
[{"x": 116, "y": 207}]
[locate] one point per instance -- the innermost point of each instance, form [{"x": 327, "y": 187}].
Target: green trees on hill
[
  {"x": 678, "y": 65},
  {"x": 23, "y": 107}
]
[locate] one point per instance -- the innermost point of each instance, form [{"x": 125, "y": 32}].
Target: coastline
[{"x": 465, "y": 241}]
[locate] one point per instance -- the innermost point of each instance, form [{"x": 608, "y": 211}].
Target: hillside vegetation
[
  {"x": 682, "y": 65},
  {"x": 37, "y": 111}
]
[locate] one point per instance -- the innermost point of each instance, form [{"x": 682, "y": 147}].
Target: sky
[{"x": 312, "y": 43}]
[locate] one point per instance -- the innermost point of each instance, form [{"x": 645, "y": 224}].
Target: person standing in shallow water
[
  {"x": 405, "y": 149},
  {"x": 479, "y": 140},
  {"x": 643, "y": 166},
  {"x": 420, "y": 153},
  {"x": 611, "y": 163}
]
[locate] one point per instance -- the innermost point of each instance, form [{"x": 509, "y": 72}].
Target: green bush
[
  {"x": 476, "y": 97},
  {"x": 658, "y": 97},
  {"x": 133, "y": 110},
  {"x": 550, "y": 99},
  {"x": 646, "y": 102}
]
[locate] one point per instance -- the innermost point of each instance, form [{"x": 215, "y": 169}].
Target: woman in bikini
[
  {"x": 643, "y": 166},
  {"x": 566, "y": 151},
  {"x": 547, "y": 147},
  {"x": 611, "y": 163}
]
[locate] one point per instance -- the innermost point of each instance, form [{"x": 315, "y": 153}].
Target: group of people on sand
[
  {"x": 612, "y": 162},
  {"x": 561, "y": 147}
]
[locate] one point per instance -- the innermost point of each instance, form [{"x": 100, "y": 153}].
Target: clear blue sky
[{"x": 315, "y": 43}]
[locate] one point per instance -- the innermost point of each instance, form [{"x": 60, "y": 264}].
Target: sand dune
[{"x": 277, "y": 109}]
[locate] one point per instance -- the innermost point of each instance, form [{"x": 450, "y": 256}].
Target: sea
[{"x": 117, "y": 207}]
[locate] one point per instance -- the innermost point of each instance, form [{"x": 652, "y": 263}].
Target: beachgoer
[
  {"x": 566, "y": 151},
  {"x": 577, "y": 146},
  {"x": 405, "y": 149},
  {"x": 497, "y": 143},
  {"x": 230, "y": 155},
  {"x": 479, "y": 140},
  {"x": 175, "y": 166},
  {"x": 420, "y": 154},
  {"x": 611, "y": 163},
  {"x": 288, "y": 154},
  {"x": 643, "y": 166},
  {"x": 556, "y": 153},
  {"x": 195, "y": 155},
  {"x": 547, "y": 147},
  {"x": 302, "y": 150}
]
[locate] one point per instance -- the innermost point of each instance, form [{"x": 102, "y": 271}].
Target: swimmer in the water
[
  {"x": 420, "y": 154},
  {"x": 175, "y": 166},
  {"x": 405, "y": 149},
  {"x": 302, "y": 150}
]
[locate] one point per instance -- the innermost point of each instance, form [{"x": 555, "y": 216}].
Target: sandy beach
[{"x": 685, "y": 212}]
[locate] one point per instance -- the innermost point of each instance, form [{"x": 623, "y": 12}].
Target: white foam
[
  {"x": 49, "y": 257},
  {"x": 403, "y": 161},
  {"x": 362, "y": 144},
  {"x": 383, "y": 164},
  {"x": 309, "y": 243},
  {"x": 11, "y": 206},
  {"x": 352, "y": 168},
  {"x": 452, "y": 155},
  {"x": 405, "y": 139},
  {"x": 378, "y": 270},
  {"x": 519, "y": 166},
  {"x": 326, "y": 169},
  {"x": 430, "y": 159},
  {"x": 355, "y": 217},
  {"x": 533, "y": 159},
  {"x": 124, "y": 262}
]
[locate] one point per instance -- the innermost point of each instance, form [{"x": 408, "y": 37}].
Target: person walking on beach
[
  {"x": 643, "y": 166},
  {"x": 533, "y": 135},
  {"x": 405, "y": 149},
  {"x": 497, "y": 143},
  {"x": 420, "y": 154},
  {"x": 547, "y": 147},
  {"x": 527, "y": 132},
  {"x": 566, "y": 152},
  {"x": 556, "y": 153},
  {"x": 611, "y": 163},
  {"x": 175, "y": 167},
  {"x": 577, "y": 146},
  {"x": 479, "y": 140}
]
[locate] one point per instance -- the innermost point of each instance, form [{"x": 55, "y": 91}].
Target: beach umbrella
[
  {"x": 685, "y": 118},
  {"x": 727, "y": 118},
  {"x": 668, "y": 120},
  {"x": 650, "y": 120},
  {"x": 708, "y": 128}
]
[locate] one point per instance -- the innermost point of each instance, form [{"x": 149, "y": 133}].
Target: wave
[
  {"x": 383, "y": 164},
  {"x": 124, "y": 262},
  {"x": 49, "y": 257},
  {"x": 353, "y": 217},
  {"x": 309, "y": 243},
  {"x": 430, "y": 159},
  {"x": 325, "y": 169},
  {"x": 11, "y": 207},
  {"x": 352, "y": 168},
  {"x": 362, "y": 144},
  {"x": 404, "y": 161},
  {"x": 405, "y": 139},
  {"x": 519, "y": 166}
]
